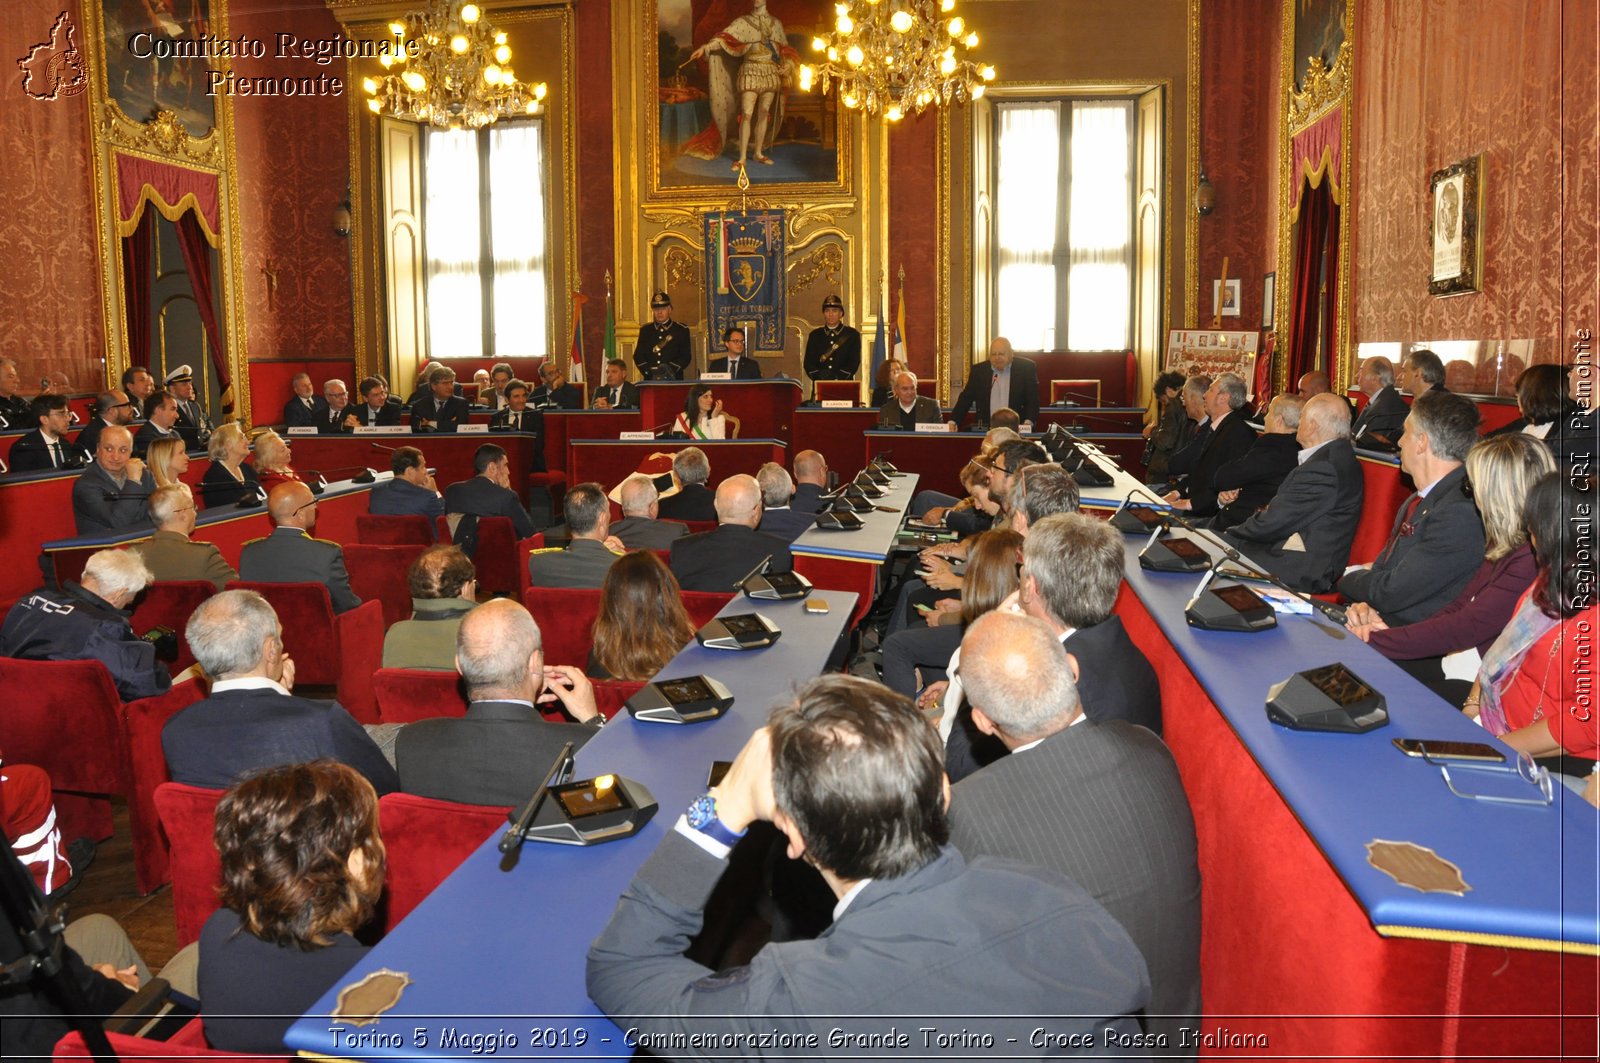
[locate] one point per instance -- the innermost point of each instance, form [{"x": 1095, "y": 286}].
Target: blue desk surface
[
  {"x": 491, "y": 950},
  {"x": 1532, "y": 870},
  {"x": 875, "y": 538}
]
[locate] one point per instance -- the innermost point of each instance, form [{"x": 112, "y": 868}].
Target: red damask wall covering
[
  {"x": 50, "y": 317},
  {"x": 913, "y": 238},
  {"x": 1441, "y": 81},
  {"x": 596, "y": 188},
  {"x": 293, "y": 161}
]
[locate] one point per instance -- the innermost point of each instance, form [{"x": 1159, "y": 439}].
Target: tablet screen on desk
[
  {"x": 1338, "y": 684},
  {"x": 684, "y": 691},
  {"x": 580, "y": 799},
  {"x": 748, "y": 624},
  {"x": 1187, "y": 550},
  {"x": 1241, "y": 599}
]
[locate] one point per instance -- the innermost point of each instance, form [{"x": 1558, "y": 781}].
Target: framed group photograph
[{"x": 1455, "y": 198}]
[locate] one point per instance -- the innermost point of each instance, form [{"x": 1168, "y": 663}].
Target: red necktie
[{"x": 1404, "y": 528}]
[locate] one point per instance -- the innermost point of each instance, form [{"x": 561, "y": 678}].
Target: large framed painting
[
  {"x": 143, "y": 76},
  {"x": 726, "y": 91},
  {"x": 1318, "y": 33}
]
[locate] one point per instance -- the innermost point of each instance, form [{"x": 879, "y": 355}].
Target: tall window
[
  {"x": 1064, "y": 224},
  {"x": 483, "y": 227}
]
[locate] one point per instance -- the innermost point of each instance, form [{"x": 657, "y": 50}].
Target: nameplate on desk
[
  {"x": 636, "y": 435},
  {"x": 933, "y": 426},
  {"x": 472, "y": 429},
  {"x": 716, "y": 376},
  {"x": 382, "y": 429},
  {"x": 838, "y": 404},
  {"x": 303, "y": 430}
]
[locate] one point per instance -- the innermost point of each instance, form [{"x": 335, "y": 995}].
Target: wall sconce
[
  {"x": 1205, "y": 197},
  {"x": 342, "y": 224}
]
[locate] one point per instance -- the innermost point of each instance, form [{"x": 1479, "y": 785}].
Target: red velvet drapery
[
  {"x": 197, "y": 260},
  {"x": 173, "y": 190},
  {"x": 1317, "y": 158},
  {"x": 136, "y": 279},
  {"x": 1316, "y": 274}
]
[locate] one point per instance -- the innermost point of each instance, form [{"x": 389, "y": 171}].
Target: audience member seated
[
  {"x": 1039, "y": 491},
  {"x": 1005, "y": 417},
  {"x": 168, "y": 553},
  {"x": 515, "y": 416},
  {"x": 112, "y": 407},
  {"x": 337, "y": 416},
  {"x": 1303, "y": 535},
  {"x": 554, "y": 392},
  {"x": 1421, "y": 371},
  {"x": 193, "y": 424},
  {"x": 46, "y": 445},
  {"x": 441, "y": 410},
  {"x": 412, "y": 492},
  {"x": 29, "y": 825},
  {"x": 228, "y": 479},
  {"x": 1068, "y": 799},
  {"x": 1533, "y": 707},
  {"x": 494, "y": 754},
  {"x": 305, "y": 408},
  {"x": 906, "y": 409},
  {"x": 1229, "y": 437},
  {"x": 140, "y": 385},
  {"x": 167, "y": 461},
  {"x": 850, "y": 775},
  {"x": 111, "y": 494},
  {"x": 423, "y": 385},
  {"x": 883, "y": 381},
  {"x": 252, "y": 720},
  {"x": 481, "y": 386},
  {"x": 702, "y": 416},
  {"x": 1249, "y": 481},
  {"x": 1317, "y": 383},
  {"x": 86, "y": 622},
  {"x": 616, "y": 393},
  {"x": 714, "y": 560},
  {"x": 291, "y": 555},
  {"x": 639, "y": 528},
  {"x": 488, "y": 494},
  {"x": 642, "y": 623},
  {"x": 1005, "y": 380},
  {"x": 694, "y": 500},
  {"x": 1071, "y": 572},
  {"x": 810, "y": 482},
  {"x": 302, "y": 870},
  {"x": 973, "y": 514},
  {"x": 1384, "y": 416},
  {"x": 499, "y": 376},
  {"x": 1437, "y": 529},
  {"x": 1192, "y": 397},
  {"x": 444, "y": 588},
  {"x": 1541, "y": 400},
  {"x": 13, "y": 407},
  {"x": 778, "y": 518},
  {"x": 161, "y": 423},
  {"x": 1170, "y": 430},
  {"x": 377, "y": 409},
  {"x": 1444, "y": 650},
  {"x": 736, "y": 363},
  {"x": 272, "y": 461},
  {"x": 590, "y": 550}
]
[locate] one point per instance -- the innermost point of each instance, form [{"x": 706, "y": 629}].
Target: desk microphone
[
  {"x": 511, "y": 841},
  {"x": 761, "y": 566},
  {"x": 380, "y": 446},
  {"x": 660, "y": 431},
  {"x": 363, "y": 475}
]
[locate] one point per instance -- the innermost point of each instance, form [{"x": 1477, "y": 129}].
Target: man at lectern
[{"x": 663, "y": 352}]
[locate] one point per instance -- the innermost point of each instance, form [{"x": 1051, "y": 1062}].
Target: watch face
[{"x": 702, "y": 811}]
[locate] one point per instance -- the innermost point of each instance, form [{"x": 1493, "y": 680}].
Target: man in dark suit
[
  {"x": 1230, "y": 436},
  {"x": 1003, "y": 381},
  {"x": 377, "y": 409},
  {"x": 616, "y": 393},
  {"x": 1249, "y": 481},
  {"x": 337, "y": 417},
  {"x": 110, "y": 408},
  {"x": 907, "y": 409},
  {"x": 1421, "y": 371},
  {"x": 1101, "y": 802},
  {"x": 494, "y": 754},
  {"x": 113, "y": 490},
  {"x": 555, "y": 393},
  {"x": 252, "y": 720},
  {"x": 810, "y": 481},
  {"x": 1303, "y": 535},
  {"x": 442, "y": 410},
  {"x": 694, "y": 500},
  {"x": 639, "y": 528},
  {"x": 47, "y": 446},
  {"x": 590, "y": 550},
  {"x": 778, "y": 518},
  {"x": 302, "y": 410},
  {"x": 193, "y": 423},
  {"x": 713, "y": 560},
  {"x": 489, "y": 494},
  {"x": 518, "y": 416},
  {"x": 737, "y": 364},
  {"x": 1379, "y": 424},
  {"x": 139, "y": 384},
  {"x": 291, "y": 555},
  {"x": 1437, "y": 539},
  {"x": 162, "y": 409},
  {"x": 13, "y": 407},
  {"x": 411, "y": 492}
]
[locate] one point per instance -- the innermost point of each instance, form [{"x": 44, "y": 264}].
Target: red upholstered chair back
[
  {"x": 839, "y": 389},
  {"x": 188, "y": 814},
  {"x": 407, "y": 694},
  {"x": 1385, "y": 491},
  {"x": 928, "y": 387},
  {"x": 496, "y": 554},
  {"x": 187, "y": 1043},
  {"x": 1084, "y": 391},
  {"x": 610, "y": 694},
  {"x": 696, "y": 526},
  {"x": 426, "y": 841},
  {"x": 169, "y": 604},
  {"x": 384, "y": 530},
  {"x": 305, "y": 610},
  {"x": 566, "y": 621},
  {"x": 525, "y": 548},
  {"x": 148, "y": 768},
  {"x": 378, "y": 573},
  {"x": 703, "y": 605}
]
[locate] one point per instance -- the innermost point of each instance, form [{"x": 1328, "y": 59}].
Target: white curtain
[
  {"x": 1099, "y": 283},
  {"x": 1029, "y": 174},
  {"x": 450, "y": 229},
  {"x": 516, "y": 213}
]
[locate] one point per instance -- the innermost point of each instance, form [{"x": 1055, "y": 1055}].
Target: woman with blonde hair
[
  {"x": 229, "y": 478},
  {"x": 272, "y": 460},
  {"x": 642, "y": 623},
  {"x": 168, "y": 460}
]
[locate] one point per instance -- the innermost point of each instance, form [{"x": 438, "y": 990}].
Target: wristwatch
[{"x": 702, "y": 816}]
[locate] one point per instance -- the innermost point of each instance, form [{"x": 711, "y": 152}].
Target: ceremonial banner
[{"x": 744, "y": 280}]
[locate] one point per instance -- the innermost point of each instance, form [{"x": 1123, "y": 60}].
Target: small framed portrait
[
  {"x": 1225, "y": 297},
  {"x": 1455, "y": 217},
  {"x": 1269, "y": 300}
]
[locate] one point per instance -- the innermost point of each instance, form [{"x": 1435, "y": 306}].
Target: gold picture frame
[{"x": 1455, "y": 219}]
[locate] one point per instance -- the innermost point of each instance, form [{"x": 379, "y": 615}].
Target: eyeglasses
[
  {"x": 307, "y": 505},
  {"x": 1523, "y": 769}
]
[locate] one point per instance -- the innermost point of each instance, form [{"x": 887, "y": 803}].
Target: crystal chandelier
[
  {"x": 898, "y": 56},
  {"x": 450, "y": 69}
]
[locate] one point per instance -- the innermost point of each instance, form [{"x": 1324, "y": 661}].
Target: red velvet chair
[
  {"x": 376, "y": 529},
  {"x": 408, "y": 694},
  {"x": 188, "y": 814},
  {"x": 496, "y": 556},
  {"x": 697, "y": 526},
  {"x": 187, "y": 1043},
  {"x": 610, "y": 694},
  {"x": 1385, "y": 493},
  {"x": 835, "y": 390},
  {"x": 169, "y": 604},
  {"x": 427, "y": 840},
  {"x": 928, "y": 387},
  {"x": 525, "y": 547},
  {"x": 147, "y": 770},
  {"x": 1077, "y": 390},
  {"x": 703, "y": 605},
  {"x": 340, "y": 651},
  {"x": 379, "y": 573},
  {"x": 566, "y": 621}
]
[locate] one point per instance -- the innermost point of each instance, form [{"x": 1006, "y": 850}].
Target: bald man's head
[
  {"x": 810, "y": 467},
  {"x": 113, "y": 449},
  {"x": 290, "y": 504},
  {"x": 739, "y": 501},
  {"x": 1016, "y": 673},
  {"x": 1324, "y": 417},
  {"x": 1314, "y": 383},
  {"x": 499, "y": 652}
]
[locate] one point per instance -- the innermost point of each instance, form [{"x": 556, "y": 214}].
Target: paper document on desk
[{"x": 1284, "y": 602}]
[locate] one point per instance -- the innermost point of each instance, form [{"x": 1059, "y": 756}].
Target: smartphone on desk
[{"x": 1440, "y": 749}]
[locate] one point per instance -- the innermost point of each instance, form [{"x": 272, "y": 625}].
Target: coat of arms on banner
[{"x": 744, "y": 286}]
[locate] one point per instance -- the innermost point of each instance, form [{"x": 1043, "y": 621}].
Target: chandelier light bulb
[
  {"x": 894, "y": 113},
  {"x": 414, "y": 81},
  {"x": 947, "y": 65},
  {"x": 386, "y": 60},
  {"x": 977, "y": 92},
  {"x": 849, "y": 101},
  {"x": 833, "y": 55},
  {"x": 502, "y": 54},
  {"x": 972, "y": 40},
  {"x": 987, "y": 73},
  {"x": 374, "y": 106},
  {"x": 805, "y": 77},
  {"x": 845, "y": 25},
  {"x": 469, "y": 13},
  {"x": 855, "y": 57},
  {"x": 491, "y": 74},
  {"x": 900, "y": 21},
  {"x": 459, "y": 44},
  {"x": 947, "y": 5},
  {"x": 397, "y": 28},
  {"x": 957, "y": 24},
  {"x": 370, "y": 86},
  {"x": 540, "y": 90},
  {"x": 818, "y": 44}
]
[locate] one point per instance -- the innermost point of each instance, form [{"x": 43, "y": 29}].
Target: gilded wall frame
[{"x": 1455, "y": 228}]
